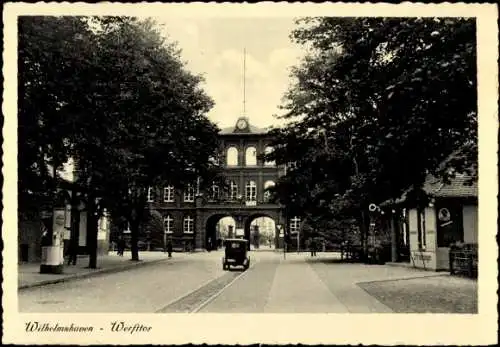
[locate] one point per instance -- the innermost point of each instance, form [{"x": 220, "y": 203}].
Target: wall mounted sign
[{"x": 444, "y": 214}]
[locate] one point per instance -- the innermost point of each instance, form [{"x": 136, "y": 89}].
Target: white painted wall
[
  {"x": 425, "y": 258},
  {"x": 443, "y": 258},
  {"x": 412, "y": 224},
  {"x": 82, "y": 237},
  {"x": 430, "y": 229},
  {"x": 470, "y": 223}
]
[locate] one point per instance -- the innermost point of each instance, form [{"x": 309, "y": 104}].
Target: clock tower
[{"x": 242, "y": 125}]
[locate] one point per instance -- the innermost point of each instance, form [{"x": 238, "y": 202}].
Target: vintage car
[{"x": 235, "y": 253}]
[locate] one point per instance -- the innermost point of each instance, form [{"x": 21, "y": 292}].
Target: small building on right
[{"x": 435, "y": 220}]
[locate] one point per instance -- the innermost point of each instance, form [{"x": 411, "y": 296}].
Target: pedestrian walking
[
  {"x": 312, "y": 247},
  {"x": 169, "y": 248},
  {"x": 72, "y": 253},
  {"x": 121, "y": 246}
]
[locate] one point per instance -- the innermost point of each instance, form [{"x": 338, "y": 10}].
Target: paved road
[{"x": 197, "y": 283}]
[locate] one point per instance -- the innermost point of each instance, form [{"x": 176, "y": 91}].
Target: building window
[
  {"x": 233, "y": 191},
  {"x": 267, "y": 193},
  {"x": 421, "y": 234},
  {"x": 168, "y": 194},
  {"x": 127, "y": 230},
  {"x": 168, "y": 225},
  {"x": 232, "y": 156},
  {"x": 267, "y": 151},
  {"x": 213, "y": 160},
  {"x": 151, "y": 197},
  {"x": 189, "y": 193},
  {"x": 188, "y": 225},
  {"x": 294, "y": 225},
  {"x": 251, "y": 191},
  {"x": 450, "y": 227},
  {"x": 251, "y": 156},
  {"x": 214, "y": 192}
]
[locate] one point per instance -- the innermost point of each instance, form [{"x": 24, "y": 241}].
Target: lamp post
[{"x": 298, "y": 241}]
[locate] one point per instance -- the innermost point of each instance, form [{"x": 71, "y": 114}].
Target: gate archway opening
[
  {"x": 260, "y": 230},
  {"x": 219, "y": 227}
]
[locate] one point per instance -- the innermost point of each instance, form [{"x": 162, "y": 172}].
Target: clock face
[{"x": 241, "y": 124}]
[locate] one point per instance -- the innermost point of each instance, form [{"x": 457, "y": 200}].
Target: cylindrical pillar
[{"x": 53, "y": 245}]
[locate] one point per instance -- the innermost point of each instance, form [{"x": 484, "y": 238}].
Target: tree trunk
[
  {"x": 364, "y": 226},
  {"x": 134, "y": 233},
  {"x": 394, "y": 237},
  {"x": 92, "y": 232},
  {"x": 75, "y": 228}
]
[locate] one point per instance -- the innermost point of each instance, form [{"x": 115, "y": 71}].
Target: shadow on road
[
  {"x": 332, "y": 260},
  {"x": 238, "y": 269}
]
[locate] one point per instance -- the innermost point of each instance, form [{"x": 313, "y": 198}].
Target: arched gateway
[
  {"x": 241, "y": 226},
  {"x": 190, "y": 216}
]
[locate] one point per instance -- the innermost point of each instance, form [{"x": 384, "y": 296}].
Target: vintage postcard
[{"x": 250, "y": 173}]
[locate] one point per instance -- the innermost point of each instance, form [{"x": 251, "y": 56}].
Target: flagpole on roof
[{"x": 244, "y": 80}]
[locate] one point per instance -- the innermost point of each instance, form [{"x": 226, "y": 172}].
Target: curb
[
  {"x": 404, "y": 265},
  {"x": 96, "y": 272}
]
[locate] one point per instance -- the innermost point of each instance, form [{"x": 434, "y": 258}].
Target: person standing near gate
[
  {"x": 121, "y": 246},
  {"x": 72, "y": 253},
  {"x": 169, "y": 248},
  {"x": 312, "y": 247}
]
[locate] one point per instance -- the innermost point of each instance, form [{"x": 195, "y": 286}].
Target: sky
[{"x": 214, "y": 48}]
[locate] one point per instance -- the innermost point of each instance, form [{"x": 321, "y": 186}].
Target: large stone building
[{"x": 190, "y": 217}]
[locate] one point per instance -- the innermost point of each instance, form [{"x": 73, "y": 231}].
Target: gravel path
[{"x": 437, "y": 294}]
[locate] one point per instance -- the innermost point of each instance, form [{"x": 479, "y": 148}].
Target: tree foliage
[
  {"x": 115, "y": 96},
  {"x": 377, "y": 104}
]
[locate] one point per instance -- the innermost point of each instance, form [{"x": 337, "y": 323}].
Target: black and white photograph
[{"x": 236, "y": 163}]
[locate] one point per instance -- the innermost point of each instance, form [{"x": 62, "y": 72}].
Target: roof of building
[
  {"x": 252, "y": 130},
  {"x": 461, "y": 186},
  {"x": 243, "y": 126}
]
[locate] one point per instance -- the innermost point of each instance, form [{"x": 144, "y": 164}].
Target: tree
[
  {"x": 152, "y": 128},
  {"x": 115, "y": 96},
  {"x": 377, "y": 104},
  {"x": 49, "y": 53}
]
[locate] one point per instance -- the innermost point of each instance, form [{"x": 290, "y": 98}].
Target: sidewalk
[
  {"x": 29, "y": 275},
  {"x": 366, "y": 288}
]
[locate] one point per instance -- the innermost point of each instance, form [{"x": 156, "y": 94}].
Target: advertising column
[{"x": 53, "y": 248}]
